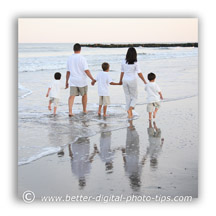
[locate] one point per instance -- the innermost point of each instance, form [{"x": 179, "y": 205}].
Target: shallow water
[
  {"x": 41, "y": 134},
  {"x": 138, "y": 158}
]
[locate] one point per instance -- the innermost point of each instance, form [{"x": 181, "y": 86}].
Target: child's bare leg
[
  {"x": 49, "y": 106},
  {"x": 99, "y": 110},
  {"x": 54, "y": 112},
  {"x": 154, "y": 113},
  {"x": 104, "y": 111},
  {"x": 150, "y": 116}
]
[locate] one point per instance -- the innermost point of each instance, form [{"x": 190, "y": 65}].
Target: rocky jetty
[{"x": 141, "y": 45}]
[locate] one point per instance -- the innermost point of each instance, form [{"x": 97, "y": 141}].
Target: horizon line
[{"x": 110, "y": 42}]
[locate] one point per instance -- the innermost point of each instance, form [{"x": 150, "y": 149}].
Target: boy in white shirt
[
  {"x": 104, "y": 80},
  {"x": 153, "y": 96},
  {"x": 54, "y": 92}
]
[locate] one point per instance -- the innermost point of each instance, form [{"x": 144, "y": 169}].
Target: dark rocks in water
[{"x": 142, "y": 45}]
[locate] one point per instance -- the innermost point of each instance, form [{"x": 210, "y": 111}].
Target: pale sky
[{"x": 107, "y": 30}]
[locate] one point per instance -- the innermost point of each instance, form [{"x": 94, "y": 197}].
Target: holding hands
[{"x": 93, "y": 82}]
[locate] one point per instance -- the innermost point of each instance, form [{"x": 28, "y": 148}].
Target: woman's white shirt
[{"x": 130, "y": 70}]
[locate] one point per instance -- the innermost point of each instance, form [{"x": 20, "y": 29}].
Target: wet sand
[{"x": 143, "y": 159}]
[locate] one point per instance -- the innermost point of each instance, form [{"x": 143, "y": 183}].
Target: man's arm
[
  {"x": 67, "y": 78},
  {"x": 88, "y": 73},
  {"x": 142, "y": 78}
]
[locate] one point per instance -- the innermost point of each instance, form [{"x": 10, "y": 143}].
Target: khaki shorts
[
  {"x": 104, "y": 100},
  {"x": 76, "y": 91},
  {"x": 151, "y": 106},
  {"x": 54, "y": 101}
]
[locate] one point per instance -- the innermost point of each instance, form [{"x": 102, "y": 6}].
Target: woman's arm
[
  {"x": 113, "y": 83},
  {"x": 121, "y": 77},
  {"x": 142, "y": 78}
]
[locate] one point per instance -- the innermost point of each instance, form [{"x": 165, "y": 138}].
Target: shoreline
[
  {"x": 144, "y": 168},
  {"x": 112, "y": 156},
  {"x": 147, "y": 45}
]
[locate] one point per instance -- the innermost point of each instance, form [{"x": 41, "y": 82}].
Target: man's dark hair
[
  {"x": 105, "y": 66},
  {"x": 77, "y": 47},
  {"x": 57, "y": 76},
  {"x": 131, "y": 56},
  {"x": 151, "y": 76}
]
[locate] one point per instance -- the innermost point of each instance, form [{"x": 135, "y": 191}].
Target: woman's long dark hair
[{"x": 131, "y": 56}]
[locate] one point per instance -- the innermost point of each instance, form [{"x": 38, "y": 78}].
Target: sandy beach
[
  {"x": 152, "y": 169},
  {"x": 88, "y": 155}
]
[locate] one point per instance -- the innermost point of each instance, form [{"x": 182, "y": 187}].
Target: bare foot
[
  {"x": 105, "y": 115},
  {"x": 85, "y": 112},
  {"x": 49, "y": 107},
  {"x": 99, "y": 114},
  {"x": 71, "y": 114}
]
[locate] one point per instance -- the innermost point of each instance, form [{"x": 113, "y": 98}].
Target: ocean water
[{"x": 41, "y": 134}]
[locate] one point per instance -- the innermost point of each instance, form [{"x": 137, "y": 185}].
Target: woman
[{"x": 129, "y": 71}]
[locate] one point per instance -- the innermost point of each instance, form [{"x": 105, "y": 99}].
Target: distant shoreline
[{"x": 148, "y": 45}]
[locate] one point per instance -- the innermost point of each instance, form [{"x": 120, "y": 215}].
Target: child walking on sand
[
  {"x": 54, "y": 92},
  {"x": 104, "y": 80},
  {"x": 153, "y": 96}
]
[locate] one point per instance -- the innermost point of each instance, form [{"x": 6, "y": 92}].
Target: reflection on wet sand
[
  {"x": 105, "y": 153},
  {"x": 155, "y": 145},
  {"x": 131, "y": 157},
  {"x": 81, "y": 159}
]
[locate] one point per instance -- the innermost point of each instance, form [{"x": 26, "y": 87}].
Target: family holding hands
[{"x": 76, "y": 78}]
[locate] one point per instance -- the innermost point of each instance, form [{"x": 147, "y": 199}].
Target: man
[{"x": 77, "y": 71}]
